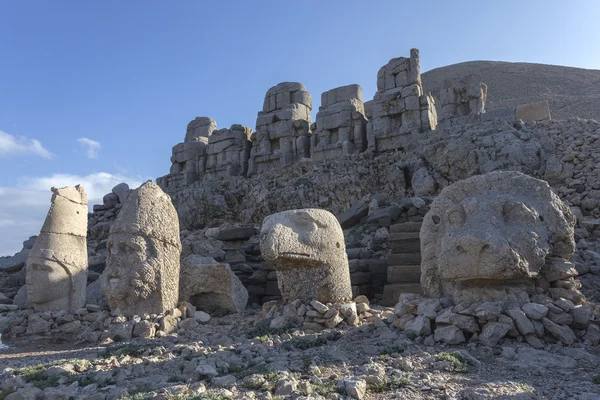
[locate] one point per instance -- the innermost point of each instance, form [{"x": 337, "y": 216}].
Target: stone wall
[
  {"x": 227, "y": 152},
  {"x": 282, "y": 128},
  {"x": 341, "y": 124},
  {"x": 399, "y": 109},
  {"x": 462, "y": 96},
  {"x": 397, "y": 118}
]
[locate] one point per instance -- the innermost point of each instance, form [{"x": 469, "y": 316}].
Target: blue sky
[{"x": 97, "y": 92}]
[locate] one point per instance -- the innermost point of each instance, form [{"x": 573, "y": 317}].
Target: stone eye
[
  {"x": 436, "y": 219},
  {"x": 518, "y": 212},
  {"x": 456, "y": 216}
]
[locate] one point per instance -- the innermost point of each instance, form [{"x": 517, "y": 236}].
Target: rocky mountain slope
[{"x": 571, "y": 92}]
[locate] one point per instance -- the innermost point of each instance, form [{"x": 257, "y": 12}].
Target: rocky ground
[{"x": 239, "y": 357}]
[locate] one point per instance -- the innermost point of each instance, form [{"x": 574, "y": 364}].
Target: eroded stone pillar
[{"x": 57, "y": 265}]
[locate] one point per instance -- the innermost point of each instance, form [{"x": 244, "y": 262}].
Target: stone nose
[{"x": 473, "y": 245}]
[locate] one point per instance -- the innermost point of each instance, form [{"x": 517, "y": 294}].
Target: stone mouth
[{"x": 296, "y": 256}]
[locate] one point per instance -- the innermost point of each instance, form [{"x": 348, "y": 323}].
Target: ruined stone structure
[
  {"x": 490, "y": 237},
  {"x": 210, "y": 285},
  {"x": 399, "y": 110},
  {"x": 397, "y": 118},
  {"x": 58, "y": 262},
  {"x": 227, "y": 152},
  {"x": 307, "y": 249},
  {"x": 341, "y": 124},
  {"x": 209, "y": 153},
  {"x": 188, "y": 158},
  {"x": 142, "y": 267},
  {"x": 282, "y": 128},
  {"x": 462, "y": 96}
]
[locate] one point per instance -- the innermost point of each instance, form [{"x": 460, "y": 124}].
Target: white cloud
[
  {"x": 25, "y": 206},
  {"x": 93, "y": 146},
  {"x": 11, "y": 145}
]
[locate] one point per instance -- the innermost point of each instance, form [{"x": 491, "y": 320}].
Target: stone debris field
[{"x": 412, "y": 246}]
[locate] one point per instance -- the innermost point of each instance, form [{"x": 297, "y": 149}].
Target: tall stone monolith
[{"x": 57, "y": 265}]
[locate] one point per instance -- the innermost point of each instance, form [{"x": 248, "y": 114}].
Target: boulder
[{"x": 207, "y": 285}]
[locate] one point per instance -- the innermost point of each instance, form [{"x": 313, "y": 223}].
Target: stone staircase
[{"x": 404, "y": 262}]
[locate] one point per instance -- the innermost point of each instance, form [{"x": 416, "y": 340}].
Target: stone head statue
[
  {"x": 307, "y": 249},
  {"x": 56, "y": 273},
  {"x": 490, "y": 235},
  {"x": 142, "y": 268}
]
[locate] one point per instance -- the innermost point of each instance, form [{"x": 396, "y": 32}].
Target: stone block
[
  {"x": 533, "y": 111},
  {"x": 404, "y": 259},
  {"x": 391, "y": 292},
  {"x": 339, "y": 94},
  {"x": 406, "y": 246},
  {"x": 403, "y": 273},
  {"x": 403, "y": 236},
  {"x": 302, "y": 97},
  {"x": 411, "y": 103}
]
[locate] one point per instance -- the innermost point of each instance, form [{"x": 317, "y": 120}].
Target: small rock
[
  {"x": 226, "y": 381},
  {"x": 534, "y": 310},
  {"x": 523, "y": 324},
  {"x": 449, "y": 334},
  {"x": 464, "y": 322},
  {"x": 356, "y": 389},
  {"x": 320, "y": 307},
  {"x": 201, "y": 317},
  {"x": 168, "y": 324},
  {"x": 144, "y": 329},
  {"x": 593, "y": 334},
  {"x": 492, "y": 332},
  {"x": 420, "y": 326},
  {"x": 207, "y": 370},
  {"x": 561, "y": 332},
  {"x": 122, "y": 331},
  {"x": 189, "y": 324},
  {"x": 581, "y": 316},
  {"x": 285, "y": 386},
  {"x": 561, "y": 318}
]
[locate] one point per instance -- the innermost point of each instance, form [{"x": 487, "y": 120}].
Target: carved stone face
[
  {"x": 47, "y": 281},
  {"x": 131, "y": 271},
  {"x": 492, "y": 238},
  {"x": 489, "y": 237},
  {"x": 308, "y": 251},
  {"x": 300, "y": 235}
]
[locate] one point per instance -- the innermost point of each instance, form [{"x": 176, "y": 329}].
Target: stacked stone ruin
[
  {"x": 462, "y": 96},
  {"x": 399, "y": 114},
  {"x": 282, "y": 128},
  {"x": 341, "y": 124},
  {"x": 399, "y": 109}
]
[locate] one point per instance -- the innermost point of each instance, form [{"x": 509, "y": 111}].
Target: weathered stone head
[
  {"x": 491, "y": 235},
  {"x": 307, "y": 249},
  {"x": 57, "y": 264},
  {"x": 142, "y": 268}
]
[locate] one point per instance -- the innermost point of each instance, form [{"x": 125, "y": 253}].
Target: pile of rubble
[
  {"x": 315, "y": 316},
  {"x": 538, "y": 322}
]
